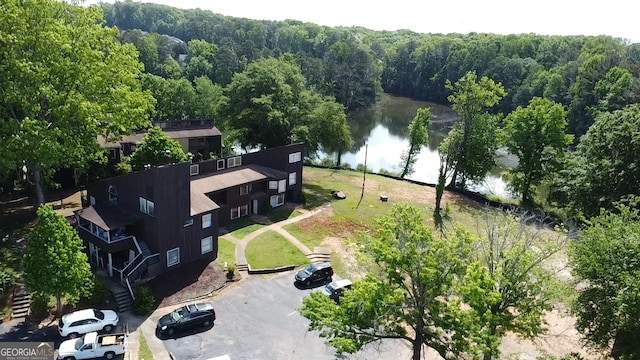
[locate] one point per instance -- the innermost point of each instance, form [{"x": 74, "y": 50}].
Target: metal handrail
[{"x": 129, "y": 287}]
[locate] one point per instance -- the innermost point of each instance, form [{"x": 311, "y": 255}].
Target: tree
[
  {"x": 477, "y": 130},
  {"x": 509, "y": 287},
  {"x": 209, "y": 99},
  {"x": 269, "y": 106},
  {"x": 536, "y": 135},
  {"x": 153, "y": 150},
  {"x": 54, "y": 260},
  {"x": 604, "y": 260},
  {"x": 604, "y": 169},
  {"x": 267, "y": 102},
  {"x": 409, "y": 297},
  {"x": 329, "y": 128},
  {"x": 54, "y": 104},
  {"x": 418, "y": 137}
]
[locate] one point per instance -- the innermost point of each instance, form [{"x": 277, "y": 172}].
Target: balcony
[{"x": 107, "y": 222}]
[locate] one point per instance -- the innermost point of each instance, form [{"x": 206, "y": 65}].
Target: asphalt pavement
[{"x": 258, "y": 319}]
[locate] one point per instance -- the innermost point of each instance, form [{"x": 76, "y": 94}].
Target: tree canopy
[
  {"x": 418, "y": 137},
  {"x": 54, "y": 260},
  {"x": 604, "y": 260},
  {"x": 409, "y": 297},
  {"x": 54, "y": 104},
  {"x": 536, "y": 135},
  {"x": 473, "y": 141},
  {"x": 155, "y": 149},
  {"x": 269, "y": 105},
  {"x": 604, "y": 169}
]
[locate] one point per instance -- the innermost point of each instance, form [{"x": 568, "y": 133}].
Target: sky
[{"x": 618, "y": 18}]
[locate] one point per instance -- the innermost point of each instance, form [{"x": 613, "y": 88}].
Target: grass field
[
  {"x": 226, "y": 252},
  {"x": 261, "y": 252}
]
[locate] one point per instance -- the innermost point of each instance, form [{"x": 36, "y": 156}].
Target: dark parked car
[
  {"x": 336, "y": 289},
  {"x": 314, "y": 273},
  {"x": 187, "y": 317}
]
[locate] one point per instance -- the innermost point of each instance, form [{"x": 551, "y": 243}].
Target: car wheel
[
  {"x": 207, "y": 323},
  {"x": 70, "y": 358},
  {"x": 171, "y": 332},
  {"x": 307, "y": 282},
  {"x": 107, "y": 328},
  {"x": 110, "y": 355},
  {"x": 73, "y": 335}
]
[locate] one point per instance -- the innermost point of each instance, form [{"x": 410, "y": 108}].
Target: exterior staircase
[
  {"x": 144, "y": 248},
  {"x": 319, "y": 255},
  {"x": 123, "y": 298},
  {"x": 242, "y": 267},
  {"x": 21, "y": 301}
]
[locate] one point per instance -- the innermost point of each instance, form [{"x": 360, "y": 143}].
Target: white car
[{"x": 86, "y": 321}]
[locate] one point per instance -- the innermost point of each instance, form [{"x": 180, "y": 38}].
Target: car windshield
[
  {"x": 178, "y": 313},
  {"x": 79, "y": 343},
  {"x": 330, "y": 288},
  {"x": 99, "y": 314},
  {"x": 308, "y": 270}
]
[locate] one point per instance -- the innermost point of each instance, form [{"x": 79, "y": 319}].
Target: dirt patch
[
  {"x": 345, "y": 253},
  {"x": 186, "y": 283}
]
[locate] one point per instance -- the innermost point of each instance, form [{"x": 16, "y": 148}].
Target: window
[
  {"x": 206, "y": 221},
  {"x": 292, "y": 178},
  {"x": 295, "y": 157},
  {"x": 147, "y": 206},
  {"x": 282, "y": 185},
  {"x": 92, "y": 200},
  {"x": 173, "y": 257},
  {"x": 188, "y": 223},
  {"x": 194, "y": 169},
  {"x": 273, "y": 185},
  {"x": 234, "y": 161},
  {"x": 206, "y": 245},
  {"x": 113, "y": 195},
  {"x": 276, "y": 200},
  {"x": 242, "y": 210},
  {"x": 220, "y": 164},
  {"x": 245, "y": 189}
]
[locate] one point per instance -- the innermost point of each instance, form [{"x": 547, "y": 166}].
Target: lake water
[{"x": 384, "y": 128}]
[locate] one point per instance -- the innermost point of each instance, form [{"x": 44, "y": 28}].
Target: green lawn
[
  {"x": 282, "y": 214},
  {"x": 271, "y": 250},
  {"x": 311, "y": 238},
  {"x": 226, "y": 252},
  {"x": 241, "y": 232},
  {"x": 144, "y": 352}
]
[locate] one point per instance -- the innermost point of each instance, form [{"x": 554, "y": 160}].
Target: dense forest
[{"x": 586, "y": 74}]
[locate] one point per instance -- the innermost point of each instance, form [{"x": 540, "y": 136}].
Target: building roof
[
  {"x": 179, "y": 133},
  {"x": 236, "y": 176},
  {"x": 201, "y": 203},
  {"x": 108, "y": 216},
  {"x": 208, "y": 183}
]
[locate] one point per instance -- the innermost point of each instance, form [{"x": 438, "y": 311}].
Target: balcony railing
[{"x": 104, "y": 235}]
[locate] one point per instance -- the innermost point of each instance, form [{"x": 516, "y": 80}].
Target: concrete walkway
[{"x": 241, "y": 244}]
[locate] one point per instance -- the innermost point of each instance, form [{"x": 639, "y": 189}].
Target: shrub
[
  {"x": 39, "y": 303},
  {"x": 231, "y": 271},
  {"x": 144, "y": 300},
  {"x": 123, "y": 168},
  {"x": 98, "y": 293},
  {"x": 7, "y": 279}
]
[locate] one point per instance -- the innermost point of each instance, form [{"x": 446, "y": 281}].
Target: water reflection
[{"x": 384, "y": 128}]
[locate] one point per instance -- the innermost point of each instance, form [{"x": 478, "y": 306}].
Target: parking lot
[{"x": 258, "y": 319}]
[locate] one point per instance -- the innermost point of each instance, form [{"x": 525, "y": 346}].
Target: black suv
[
  {"x": 314, "y": 273},
  {"x": 187, "y": 317}
]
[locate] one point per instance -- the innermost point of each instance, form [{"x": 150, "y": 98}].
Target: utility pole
[{"x": 364, "y": 173}]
